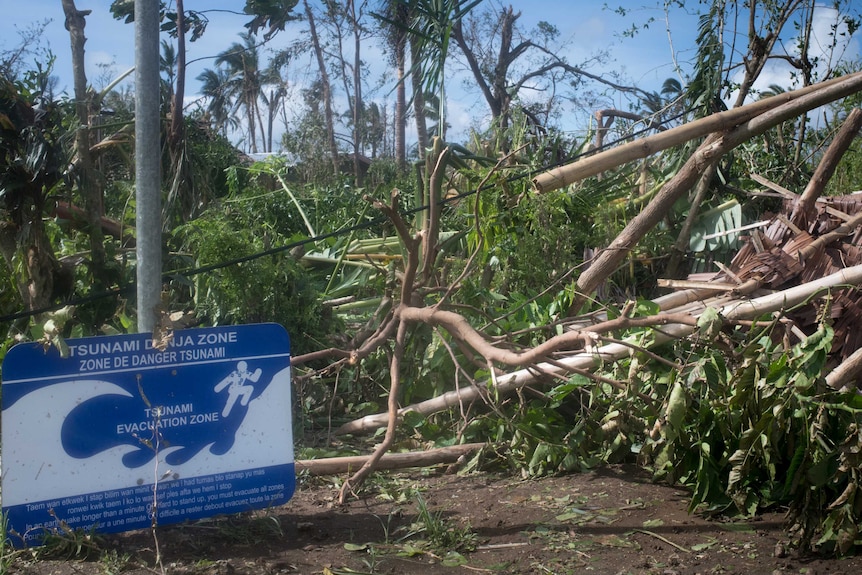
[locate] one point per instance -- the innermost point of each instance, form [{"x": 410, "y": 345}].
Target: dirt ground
[{"x": 612, "y": 521}]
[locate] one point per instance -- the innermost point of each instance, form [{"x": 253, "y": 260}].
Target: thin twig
[{"x": 665, "y": 539}]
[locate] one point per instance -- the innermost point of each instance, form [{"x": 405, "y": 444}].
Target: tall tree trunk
[
  {"x": 270, "y": 120},
  {"x": 357, "y": 94},
  {"x": 182, "y": 187},
  {"x": 327, "y": 90},
  {"x": 87, "y": 185},
  {"x": 177, "y": 125},
  {"x": 401, "y": 93},
  {"x": 249, "y": 100},
  {"x": 401, "y": 119},
  {"x": 418, "y": 102},
  {"x": 263, "y": 137}
]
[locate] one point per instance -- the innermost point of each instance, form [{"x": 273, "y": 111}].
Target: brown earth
[{"x": 612, "y": 521}]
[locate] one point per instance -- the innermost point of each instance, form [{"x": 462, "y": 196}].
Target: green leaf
[
  {"x": 704, "y": 546},
  {"x": 408, "y": 550},
  {"x": 413, "y": 419},
  {"x": 454, "y": 559},
  {"x": 820, "y": 473},
  {"x": 676, "y": 408},
  {"x": 573, "y": 514},
  {"x": 647, "y": 308},
  {"x": 709, "y": 323}
]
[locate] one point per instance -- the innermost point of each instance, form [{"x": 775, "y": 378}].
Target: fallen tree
[
  {"x": 716, "y": 123},
  {"x": 706, "y": 156},
  {"x": 800, "y": 268},
  {"x": 674, "y": 327}
]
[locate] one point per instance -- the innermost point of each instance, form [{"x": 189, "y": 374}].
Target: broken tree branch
[
  {"x": 847, "y": 372},
  {"x": 412, "y": 245},
  {"x": 336, "y": 465},
  {"x": 461, "y": 330},
  {"x": 732, "y": 310}
]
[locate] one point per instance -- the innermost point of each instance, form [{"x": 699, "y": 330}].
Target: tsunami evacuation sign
[{"x": 118, "y": 433}]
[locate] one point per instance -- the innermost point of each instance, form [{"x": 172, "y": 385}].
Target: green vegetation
[{"x": 335, "y": 250}]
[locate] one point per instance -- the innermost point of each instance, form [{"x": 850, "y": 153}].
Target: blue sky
[{"x": 585, "y": 27}]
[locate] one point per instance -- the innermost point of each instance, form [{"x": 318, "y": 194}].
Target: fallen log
[
  {"x": 76, "y": 215},
  {"x": 638, "y": 149},
  {"x": 349, "y": 464},
  {"x": 840, "y": 144},
  {"x": 731, "y": 310},
  {"x": 847, "y": 372}
]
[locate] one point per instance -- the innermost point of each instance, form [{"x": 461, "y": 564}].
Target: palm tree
[
  {"x": 431, "y": 29},
  {"x": 244, "y": 82},
  {"x": 168, "y": 68},
  {"x": 325, "y": 86},
  {"x": 275, "y": 96},
  {"x": 219, "y": 107}
]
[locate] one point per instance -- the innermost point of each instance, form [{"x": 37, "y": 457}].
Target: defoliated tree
[
  {"x": 325, "y": 86},
  {"x": 84, "y": 171},
  {"x": 29, "y": 44},
  {"x": 505, "y": 61}
]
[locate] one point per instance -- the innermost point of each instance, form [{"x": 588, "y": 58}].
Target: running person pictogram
[{"x": 236, "y": 388}]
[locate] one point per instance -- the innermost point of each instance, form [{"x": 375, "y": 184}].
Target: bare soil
[{"x": 612, "y": 521}]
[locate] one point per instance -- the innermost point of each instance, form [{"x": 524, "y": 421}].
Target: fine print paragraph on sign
[{"x": 84, "y": 436}]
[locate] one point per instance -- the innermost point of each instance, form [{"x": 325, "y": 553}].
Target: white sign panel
[{"x": 119, "y": 431}]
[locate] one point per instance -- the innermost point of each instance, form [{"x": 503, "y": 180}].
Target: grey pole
[{"x": 147, "y": 163}]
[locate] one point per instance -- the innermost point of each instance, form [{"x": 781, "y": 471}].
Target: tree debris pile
[
  {"x": 718, "y": 385},
  {"x": 784, "y": 255}
]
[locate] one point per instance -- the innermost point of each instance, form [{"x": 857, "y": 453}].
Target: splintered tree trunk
[{"x": 75, "y": 22}]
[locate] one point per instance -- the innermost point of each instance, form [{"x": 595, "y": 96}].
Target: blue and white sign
[{"x": 119, "y": 431}]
